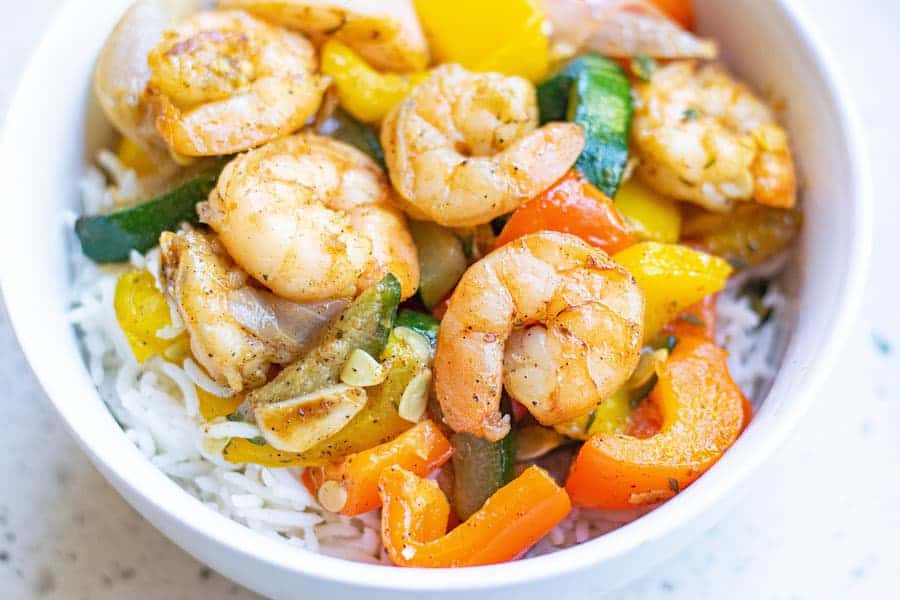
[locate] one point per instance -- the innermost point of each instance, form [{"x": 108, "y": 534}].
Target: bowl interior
[{"x": 53, "y": 128}]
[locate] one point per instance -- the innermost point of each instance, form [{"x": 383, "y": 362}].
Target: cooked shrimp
[
  {"x": 621, "y": 29},
  {"x": 122, "y": 72},
  {"x": 386, "y": 34},
  {"x": 702, "y": 137},
  {"x": 311, "y": 218},
  {"x": 630, "y": 28},
  {"x": 223, "y": 81},
  {"x": 463, "y": 148},
  {"x": 236, "y": 332},
  {"x": 552, "y": 319}
]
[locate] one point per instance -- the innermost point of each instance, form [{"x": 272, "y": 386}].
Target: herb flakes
[
  {"x": 643, "y": 67},
  {"x": 690, "y": 114}
]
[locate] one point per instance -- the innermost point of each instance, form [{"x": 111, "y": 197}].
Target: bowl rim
[{"x": 130, "y": 469}]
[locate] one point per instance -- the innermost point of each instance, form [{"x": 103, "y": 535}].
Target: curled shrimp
[
  {"x": 386, "y": 34},
  {"x": 236, "y": 330},
  {"x": 552, "y": 319},
  {"x": 464, "y": 147},
  {"x": 311, "y": 218},
  {"x": 702, "y": 137},
  {"x": 222, "y": 82}
]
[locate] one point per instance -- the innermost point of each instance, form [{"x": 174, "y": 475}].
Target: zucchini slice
[
  {"x": 480, "y": 468},
  {"x": 427, "y": 325},
  {"x": 593, "y": 92},
  {"x": 111, "y": 237}
]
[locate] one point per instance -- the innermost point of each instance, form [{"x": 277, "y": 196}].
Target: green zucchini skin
[
  {"x": 111, "y": 237},
  {"x": 346, "y": 129},
  {"x": 365, "y": 324},
  {"x": 480, "y": 468},
  {"x": 593, "y": 92},
  {"x": 442, "y": 260},
  {"x": 420, "y": 323}
]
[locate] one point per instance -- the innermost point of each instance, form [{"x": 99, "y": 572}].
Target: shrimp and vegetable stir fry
[{"x": 508, "y": 263}]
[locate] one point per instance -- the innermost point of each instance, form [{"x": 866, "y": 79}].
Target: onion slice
[{"x": 285, "y": 325}]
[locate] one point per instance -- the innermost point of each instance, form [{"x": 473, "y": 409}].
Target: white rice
[{"x": 157, "y": 405}]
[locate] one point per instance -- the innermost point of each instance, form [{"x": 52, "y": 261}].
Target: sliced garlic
[
  {"x": 415, "y": 341},
  {"x": 332, "y": 496},
  {"x": 300, "y": 423},
  {"x": 362, "y": 370},
  {"x": 646, "y": 368},
  {"x": 650, "y": 497},
  {"x": 535, "y": 441},
  {"x": 415, "y": 397}
]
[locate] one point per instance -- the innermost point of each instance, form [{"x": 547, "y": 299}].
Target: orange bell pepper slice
[
  {"x": 645, "y": 420},
  {"x": 698, "y": 320},
  {"x": 681, "y": 11},
  {"x": 571, "y": 205},
  {"x": 415, "y": 513},
  {"x": 702, "y": 411},
  {"x": 421, "y": 449}
]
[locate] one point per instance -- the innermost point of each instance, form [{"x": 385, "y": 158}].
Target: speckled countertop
[{"x": 822, "y": 520}]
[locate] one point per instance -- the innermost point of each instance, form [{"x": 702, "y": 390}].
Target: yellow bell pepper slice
[
  {"x": 133, "y": 156},
  {"x": 212, "y": 406},
  {"x": 375, "y": 424},
  {"x": 142, "y": 310},
  {"x": 610, "y": 416},
  {"x": 672, "y": 277},
  {"x": 650, "y": 217},
  {"x": 364, "y": 92},
  {"x": 506, "y": 36}
]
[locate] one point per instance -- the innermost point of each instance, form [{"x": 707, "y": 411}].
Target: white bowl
[{"x": 51, "y": 131}]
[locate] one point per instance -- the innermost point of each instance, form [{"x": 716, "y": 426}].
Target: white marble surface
[{"x": 822, "y": 521}]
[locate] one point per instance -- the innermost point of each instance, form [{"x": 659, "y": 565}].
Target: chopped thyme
[
  {"x": 693, "y": 319},
  {"x": 590, "y": 421},
  {"x": 690, "y": 114},
  {"x": 643, "y": 67}
]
